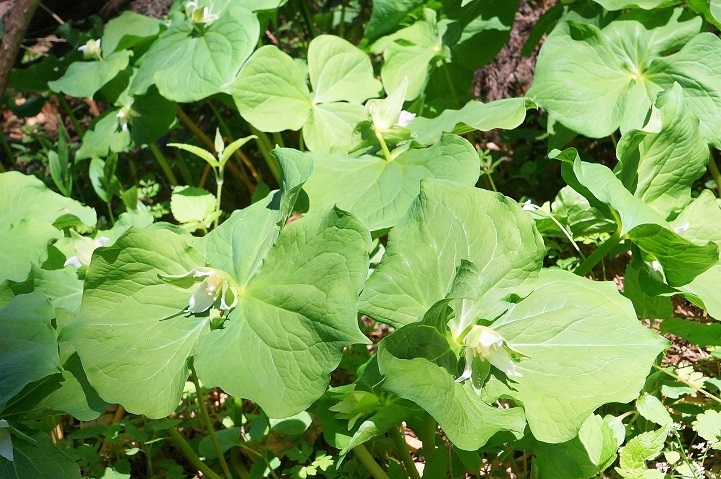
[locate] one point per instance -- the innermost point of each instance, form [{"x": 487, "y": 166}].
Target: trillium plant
[{"x": 385, "y": 261}]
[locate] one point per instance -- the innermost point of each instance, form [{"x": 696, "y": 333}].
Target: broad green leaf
[
  {"x": 660, "y": 162},
  {"x": 507, "y": 114},
  {"x": 75, "y": 396},
  {"x": 408, "y": 53},
  {"x": 60, "y": 171},
  {"x": 700, "y": 222},
  {"x": 339, "y": 71},
  {"x": 28, "y": 343},
  {"x": 640, "y": 288},
  {"x": 708, "y": 425},
  {"x": 105, "y": 136},
  {"x": 293, "y": 317},
  {"x": 271, "y": 92},
  {"x": 25, "y": 197},
  {"x": 387, "y": 15},
  {"x": 61, "y": 286},
  {"x": 419, "y": 366},
  {"x": 582, "y": 347},
  {"x": 700, "y": 334},
  {"x": 25, "y": 243},
  {"x": 596, "y": 80},
  {"x": 381, "y": 191},
  {"x": 131, "y": 336},
  {"x": 641, "y": 448},
  {"x": 653, "y": 409},
  {"x": 582, "y": 457},
  {"x": 330, "y": 126},
  {"x": 574, "y": 212},
  {"x": 378, "y": 424},
  {"x": 129, "y": 30},
  {"x": 227, "y": 438},
  {"x": 84, "y": 79},
  {"x": 147, "y": 118},
  {"x": 193, "y": 206},
  {"x": 448, "y": 223},
  {"x": 296, "y": 168},
  {"x": 151, "y": 117},
  {"x": 680, "y": 259},
  {"x": 239, "y": 245},
  {"x": 188, "y": 66},
  {"x": 485, "y": 27},
  {"x": 38, "y": 459}
]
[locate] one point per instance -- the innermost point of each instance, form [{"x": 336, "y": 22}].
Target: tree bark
[{"x": 15, "y": 23}]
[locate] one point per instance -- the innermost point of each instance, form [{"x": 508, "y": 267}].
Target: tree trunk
[{"x": 15, "y": 20}]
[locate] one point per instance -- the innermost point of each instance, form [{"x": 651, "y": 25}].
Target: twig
[
  {"x": 208, "y": 424},
  {"x": 190, "y": 455},
  {"x": 369, "y": 463}
]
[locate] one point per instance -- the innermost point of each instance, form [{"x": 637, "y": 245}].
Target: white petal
[
  {"x": 405, "y": 118},
  {"x": 467, "y": 370},
  {"x": 202, "y": 300},
  {"x": 501, "y": 360},
  {"x": 6, "y": 445},
  {"x": 73, "y": 261}
]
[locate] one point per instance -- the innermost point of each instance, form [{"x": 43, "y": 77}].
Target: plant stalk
[
  {"x": 599, "y": 253},
  {"x": 691, "y": 385},
  {"x": 206, "y": 419},
  {"x": 369, "y": 463},
  {"x": 238, "y": 153},
  {"x": 69, "y": 111},
  {"x": 219, "y": 184},
  {"x": 384, "y": 146},
  {"x": 164, "y": 164},
  {"x": 428, "y": 434},
  {"x": 8, "y": 151},
  {"x": 403, "y": 454},
  {"x": 190, "y": 455},
  {"x": 209, "y": 145},
  {"x": 715, "y": 174}
]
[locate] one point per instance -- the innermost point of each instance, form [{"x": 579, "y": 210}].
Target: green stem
[
  {"x": 428, "y": 434},
  {"x": 691, "y": 385},
  {"x": 278, "y": 139},
  {"x": 190, "y": 455},
  {"x": 490, "y": 180},
  {"x": 403, "y": 454},
  {"x": 7, "y": 149},
  {"x": 208, "y": 424},
  {"x": 69, "y": 111},
  {"x": 265, "y": 147},
  {"x": 184, "y": 171},
  {"x": 110, "y": 213},
  {"x": 384, "y": 147},
  {"x": 164, "y": 165},
  {"x": 369, "y": 463},
  {"x": 589, "y": 263},
  {"x": 715, "y": 174},
  {"x": 219, "y": 183},
  {"x": 237, "y": 464},
  {"x": 451, "y": 86},
  {"x": 307, "y": 17}
]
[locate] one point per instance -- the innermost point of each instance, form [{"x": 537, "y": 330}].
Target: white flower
[
  {"x": 387, "y": 113},
  {"x": 125, "y": 116},
  {"x": 214, "y": 285},
  {"x": 84, "y": 248},
  {"x": 528, "y": 206},
  {"x": 201, "y": 15},
  {"x": 91, "y": 49},
  {"x": 487, "y": 344}
]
